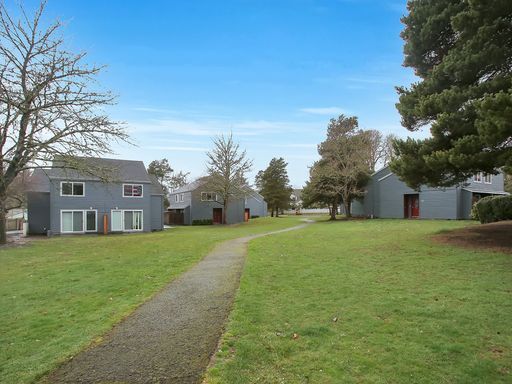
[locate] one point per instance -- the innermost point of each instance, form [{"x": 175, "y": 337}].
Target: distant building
[
  {"x": 67, "y": 201},
  {"x": 195, "y": 202},
  {"x": 389, "y": 197}
]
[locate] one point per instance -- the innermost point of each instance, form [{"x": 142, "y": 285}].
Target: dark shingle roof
[
  {"x": 190, "y": 186},
  {"x": 113, "y": 169},
  {"x": 38, "y": 181}
]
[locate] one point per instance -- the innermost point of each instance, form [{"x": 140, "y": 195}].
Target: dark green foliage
[
  {"x": 493, "y": 208},
  {"x": 462, "y": 52},
  {"x": 202, "y": 222},
  {"x": 274, "y": 185},
  {"x": 254, "y": 216},
  {"x": 168, "y": 179}
]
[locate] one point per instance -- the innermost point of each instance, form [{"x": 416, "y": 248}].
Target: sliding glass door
[
  {"x": 117, "y": 221},
  {"x": 127, "y": 220},
  {"x": 78, "y": 221}
]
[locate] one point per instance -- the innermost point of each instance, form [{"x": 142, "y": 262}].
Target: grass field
[
  {"x": 369, "y": 302},
  {"x": 57, "y": 295}
]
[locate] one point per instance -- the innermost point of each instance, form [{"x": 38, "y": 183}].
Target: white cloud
[
  {"x": 325, "y": 111},
  {"x": 209, "y": 128},
  {"x": 154, "y": 110},
  {"x": 177, "y": 148},
  {"x": 295, "y": 145}
]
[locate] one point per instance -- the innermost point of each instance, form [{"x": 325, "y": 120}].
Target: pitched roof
[
  {"x": 113, "y": 169},
  {"x": 190, "y": 186}
]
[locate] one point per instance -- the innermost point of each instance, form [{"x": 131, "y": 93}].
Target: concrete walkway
[{"x": 170, "y": 338}]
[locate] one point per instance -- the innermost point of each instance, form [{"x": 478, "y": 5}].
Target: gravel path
[{"x": 170, "y": 338}]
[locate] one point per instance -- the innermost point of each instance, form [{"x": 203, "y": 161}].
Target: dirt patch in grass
[{"x": 493, "y": 237}]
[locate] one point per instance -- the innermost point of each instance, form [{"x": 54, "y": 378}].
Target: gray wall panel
[
  {"x": 100, "y": 196},
  {"x": 38, "y": 208}
]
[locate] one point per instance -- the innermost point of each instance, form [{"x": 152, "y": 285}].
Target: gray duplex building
[
  {"x": 389, "y": 197},
  {"x": 194, "y": 202},
  {"x": 65, "y": 201}
]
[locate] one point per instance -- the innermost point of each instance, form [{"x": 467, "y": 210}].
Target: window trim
[
  {"x": 214, "y": 196},
  {"x": 477, "y": 177},
  {"x": 182, "y": 197},
  {"x": 134, "y": 197},
  {"x": 484, "y": 176},
  {"x": 122, "y": 220},
  {"x": 72, "y": 185},
  {"x": 84, "y": 221}
]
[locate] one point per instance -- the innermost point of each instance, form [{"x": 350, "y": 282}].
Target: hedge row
[
  {"x": 202, "y": 222},
  {"x": 493, "y": 208}
]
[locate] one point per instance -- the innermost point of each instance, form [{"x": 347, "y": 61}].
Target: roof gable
[{"x": 111, "y": 169}]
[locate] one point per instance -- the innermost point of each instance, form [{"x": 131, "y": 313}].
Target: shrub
[
  {"x": 254, "y": 216},
  {"x": 202, "y": 222},
  {"x": 493, "y": 208}
]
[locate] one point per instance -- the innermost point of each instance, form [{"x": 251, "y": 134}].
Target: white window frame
[
  {"x": 84, "y": 220},
  {"x": 485, "y": 176},
  {"x": 182, "y": 197},
  {"x": 122, "y": 220},
  {"x": 213, "y": 194},
  {"x": 72, "y": 187},
  {"x": 176, "y": 198},
  {"x": 477, "y": 178},
  {"x": 135, "y": 184}
]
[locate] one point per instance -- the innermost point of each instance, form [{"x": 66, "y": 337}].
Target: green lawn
[
  {"x": 408, "y": 310},
  {"x": 57, "y": 295}
]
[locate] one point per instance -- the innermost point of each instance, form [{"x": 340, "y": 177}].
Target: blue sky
[{"x": 271, "y": 71}]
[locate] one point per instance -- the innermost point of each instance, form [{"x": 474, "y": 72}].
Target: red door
[
  {"x": 412, "y": 206},
  {"x": 247, "y": 214},
  {"x": 217, "y": 215}
]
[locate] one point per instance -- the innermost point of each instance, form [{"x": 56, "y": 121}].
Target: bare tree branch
[{"x": 48, "y": 108}]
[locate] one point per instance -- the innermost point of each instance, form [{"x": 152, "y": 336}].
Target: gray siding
[
  {"x": 101, "y": 197},
  {"x": 187, "y": 216},
  {"x": 389, "y": 197},
  {"x": 200, "y": 210},
  {"x": 438, "y": 204},
  {"x": 497, "y": 184},
  {"x": 257, "y": 205},
  {"x": 195, "y": 209},
  {"x": 157, "y": 213},
  {"x": 385, "y": 198},
  {"x": 38, "y": 207},
  {"x": 465, "y": 203}
]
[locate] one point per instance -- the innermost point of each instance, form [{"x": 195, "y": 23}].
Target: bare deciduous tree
[
  {"x": 47, "y": 106},
  {"x": 345, "y": 161},
  {"x": 227, "y": 166},
  {"x": 380, "y": 148}
]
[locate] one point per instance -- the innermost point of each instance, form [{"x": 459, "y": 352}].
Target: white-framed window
[
  {"x": 482, "y": 177},
  {"x": 78, "y": 221},
  {"x": 182, "y": 197},
  {"x": 208, "y": 196},
  {"x": 127, "y": 220},
  {"x": 72, "y": 188},
  {"x": 132, "y": 190},
  {"x": 176, "y": 198}
]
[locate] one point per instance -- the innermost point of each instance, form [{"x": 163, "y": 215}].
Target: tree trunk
[
  {"x": 333, "y": 210},
  {"x": 272, "y": 212},
  {"x": 277, "y": 211},
  {"x": 3, "y": 227},
  {"x": 348, "y": 214},
  {"x": 225, "y": 211}
]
